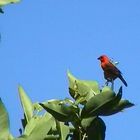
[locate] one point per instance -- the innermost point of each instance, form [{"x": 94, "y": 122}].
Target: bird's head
[{"x": 103, "y": 58}]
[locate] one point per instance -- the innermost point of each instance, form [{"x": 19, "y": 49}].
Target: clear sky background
[{"x": 42, "y": 39}]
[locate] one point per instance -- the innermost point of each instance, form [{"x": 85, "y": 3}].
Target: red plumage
[{"x": 111, "y": 72}]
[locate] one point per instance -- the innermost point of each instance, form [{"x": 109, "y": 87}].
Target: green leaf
[
  {"x": 110, "y": 104},
  {"x": 96, "y": 130},
  {"x": 82, "y": 88},
  {"x": 92, "y": 85},
  {"x": 42, "y": 128},
  {"x": 62, "y": 112},
  {"x": 63, "y": 130},
  {"x": 95, "y": 104},
  {"x": 4, "y": 122},
  {"x": 26, "y": 104},
  {"x": 86, "y": 122},
  {"x": 31, "y": 125},
  {"x": 5, "y": 2},
  {"x": 80, "y": 100},
  {"x": 106, "y": 103},
  {"x": 118, "y": 108},
  {"x": 38, "y": 128}
]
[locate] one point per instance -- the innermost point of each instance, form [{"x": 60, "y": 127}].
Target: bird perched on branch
[{"x": 111, "y": 72}]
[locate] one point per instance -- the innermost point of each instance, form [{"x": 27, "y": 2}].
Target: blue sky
[{"x": 41, "y": 40}]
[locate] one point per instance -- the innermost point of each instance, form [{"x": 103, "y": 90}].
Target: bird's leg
[
  {"x": 106, "y": 83},
  {"x": 112, "y": 86}
]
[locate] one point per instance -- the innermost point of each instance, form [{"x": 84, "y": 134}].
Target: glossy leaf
[
  {"x": 110, "y": 104},
  {"x": 92, "y": 85},
  {"x": 60, "y": 111},
  {"x": 86, "y": 122},
  {"x": 26, "y": 103},
  {"x": 96, "y": 130},
  {"x": 92, "y": 107},
  {"x": 118, "y": 108},
  {"x": 4, "y": 122},
  {"x": 82, "y": 88},
  {"x": 38, "y": 128},
  {"x": 63, "y": 130},
  {"x": 105, "y": 104},
  {"x": 42, "y": 126}
]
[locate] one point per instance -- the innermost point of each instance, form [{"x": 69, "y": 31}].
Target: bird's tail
[{"x": 122, "y": 79}]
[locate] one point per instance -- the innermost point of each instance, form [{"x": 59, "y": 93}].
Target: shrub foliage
[{"x": 78, "y": 118}]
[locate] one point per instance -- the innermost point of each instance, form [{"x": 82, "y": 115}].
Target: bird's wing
[{"x": 112, "y": 68}]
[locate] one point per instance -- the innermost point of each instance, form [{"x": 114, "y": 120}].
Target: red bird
[{"x": 111, "y": 72}]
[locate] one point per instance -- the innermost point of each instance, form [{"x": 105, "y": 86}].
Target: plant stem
[{"x": 84, "y": 136}]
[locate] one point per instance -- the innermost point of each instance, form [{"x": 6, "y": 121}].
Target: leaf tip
[{"x": 68, "y": 72}]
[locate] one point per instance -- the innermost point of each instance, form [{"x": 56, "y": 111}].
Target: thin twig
[{"x": 84, "y": 136}]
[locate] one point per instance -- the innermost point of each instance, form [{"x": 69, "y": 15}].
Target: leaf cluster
[{"x": 69, "y": 119}]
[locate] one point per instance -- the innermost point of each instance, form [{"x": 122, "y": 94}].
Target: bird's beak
[{"x": 98, "y": 58}]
